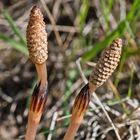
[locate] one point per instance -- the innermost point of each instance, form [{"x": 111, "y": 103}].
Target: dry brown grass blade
[{"x": 58, "y": 38}]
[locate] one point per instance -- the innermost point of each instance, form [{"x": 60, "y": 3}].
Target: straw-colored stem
[
  {"x": 31, "y": 130},
  {"x": 41, "y": 73},
  {"x": 73, "y": 127},
  {"x": 92, "y": 88},
  {"x": 33, "y": 121},
  {"x": 38, "y": 102},
  {"x": 80, "y": 107}
]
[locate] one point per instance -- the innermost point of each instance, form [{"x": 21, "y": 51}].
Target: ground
[{"x": 84, "y": 29}]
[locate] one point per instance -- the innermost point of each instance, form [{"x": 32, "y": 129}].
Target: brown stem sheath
[
  {"x": 37, "y": 106},
  {"x": 79, "y": 109}
]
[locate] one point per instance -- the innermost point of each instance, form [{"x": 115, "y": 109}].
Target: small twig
[
  {"x": 116, "y": 92},
  {"x": 118, "y": 126},
  {"x": 100, "y": 15},
  {"x": 80, "y": 70},
  {"x": 63, "y": 28},
  {"x": 71, "y": 34},
  {"x": 138, "y": 132},
  {"x": 63, "y": 117},
  {"x": 5, "y": 97},
  {"x": 75, "y": 86},
  {"x": 108, "y": 117},
  {"x": 92, "y": 64},
  {"x": 68, "y": 40},
  {"x": 122, "y": 9},
  {"x": 52, "y": 125},
  {"x": 58, "y": 38}
]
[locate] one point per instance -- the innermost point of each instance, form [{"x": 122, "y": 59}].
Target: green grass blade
[
  {"x": 127, "y": 52},
  {"x": 83, "y": 13},
  {"x": 132, "y": 52},
  {"x": 130, "y": 84},
  {"x": 100, "y": 45},
  {"x": 129, "y": 29},
  {"x": 18, "y": 46},
  {"x": 133, "y": 11},
  {"x": 120, "y": 67},
  {"x": 14, "y": 27},
  {"x": 117, "y": 32}
]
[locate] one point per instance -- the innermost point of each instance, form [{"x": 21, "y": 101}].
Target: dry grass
[{"x": 75, "y": 29}]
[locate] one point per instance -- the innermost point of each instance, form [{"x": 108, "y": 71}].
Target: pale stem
[
  {"x": 73, "y": 127},
  {"x": 34, "y": 118},
  {"x": 41, "y": 73},
  {"x": 71, "y": 132},
  {"x": 33, "y": 122}
]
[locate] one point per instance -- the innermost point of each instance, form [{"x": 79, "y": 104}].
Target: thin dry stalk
[
  {"x": 117, "y": 94},
  {"x": 107, "y": 115},
  {"x": 52, "y": 126},
  {"x": 80, "y": 70},
  {"x": 58, "y": 38}
]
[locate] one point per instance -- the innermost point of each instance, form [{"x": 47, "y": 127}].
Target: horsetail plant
[
  {"x": 106, "y": 65},
  {"x": 37, "y": 45},
  {"x": 78, "y": 111}
]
